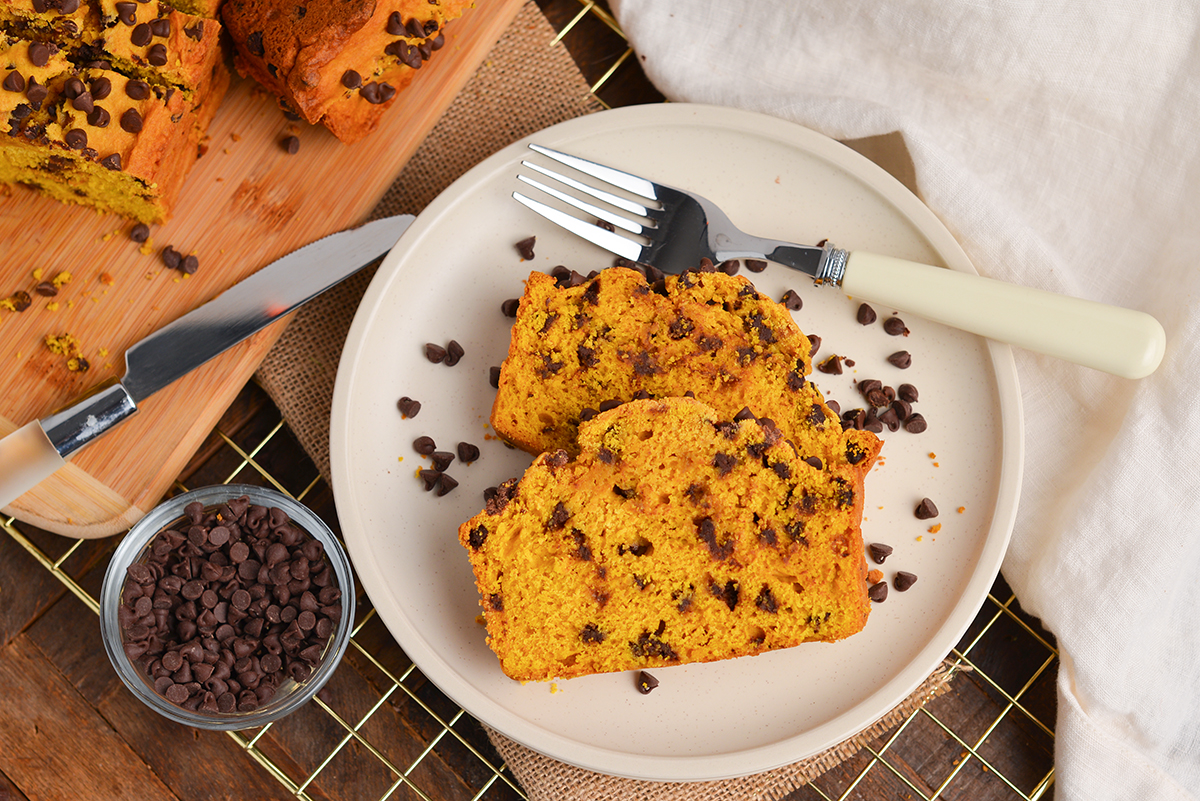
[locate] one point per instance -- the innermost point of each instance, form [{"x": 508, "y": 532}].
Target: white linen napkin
[{"x": 1060, "y": 143}]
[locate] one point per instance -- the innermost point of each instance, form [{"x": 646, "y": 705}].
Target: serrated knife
[{"x": 34, "y": 451}]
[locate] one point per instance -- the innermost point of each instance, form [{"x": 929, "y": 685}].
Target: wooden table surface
[{"x": 69, "y": 728}]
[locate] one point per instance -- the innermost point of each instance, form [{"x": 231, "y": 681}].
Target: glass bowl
[{"x": 289, "y": 692}]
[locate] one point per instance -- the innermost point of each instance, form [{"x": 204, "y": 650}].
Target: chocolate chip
[
  {"x": 901, "y": 359},
  {"x": 408, "y": 407},
  {"x": 441, "y": 460},
  {"x": 925, "y": 510},
  {"x": 161, "y": 27},
  {"x": 139, "y": 232},
  {"x": 907, "y": 393},
  {"x": 435, "y": 353},
  {"x": 895, "y": 327},
  {"x": 136, "y": 90},
  {"x": 131, "y": 121},
  {"x": 127, "y": 13},
  {"x": 467, "y": 452},
  {"x": 879, "y": 552},
  {"x": 46, "y": 289},
  {"x": 254, "y": 43},
  {"x": 76, "y": 138},
  {"x": 915, "y": 424},
  {"x": 525, "y": 247},
  {"x": 351, "y": 79},
  {"x": 866, "y": 315},
  {"x": 510, "y": 306},
  {"x": 424, "y": 445},
  {"x": 832, "y": 365},
  {"x": 454, "y": 352},
  {"x": 878, "y": 592},
  {"x": 903, "y": 580},
  {"x": 39, "y": 54},
  {"x": 157, "y": 55},
  {"x": 395, "y": 25},
  {"x": 14, "y": 82},
  {"x": 99, "y": 118},
  {"x": 141, "y": 35},
  {"x": 645, "y": 682},
  {"x": 171, "y": 257},
  {"x": 429, "y": 477},
  {"x": 290, "y": 144},
  {"x": 791, "y": 300}
]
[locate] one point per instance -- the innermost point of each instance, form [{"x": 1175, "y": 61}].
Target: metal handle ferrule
[{"x": 70, "y": 428}]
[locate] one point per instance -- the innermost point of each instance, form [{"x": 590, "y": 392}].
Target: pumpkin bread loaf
[
  {"x": 106, "y": 103},
  {"x": 673, "y": 534},
  {"x": 340, "y": 64}
]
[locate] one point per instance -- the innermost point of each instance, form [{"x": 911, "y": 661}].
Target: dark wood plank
[{"x": 55, "y": 745}]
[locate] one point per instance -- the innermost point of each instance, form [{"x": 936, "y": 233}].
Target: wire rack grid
[{"x": 960, "y": 745}]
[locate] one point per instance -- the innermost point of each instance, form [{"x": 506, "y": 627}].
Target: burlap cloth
[{"x": 523, "y": 86}]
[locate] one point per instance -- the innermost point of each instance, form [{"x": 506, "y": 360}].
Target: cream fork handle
[{"x": 1120, "y": 341}]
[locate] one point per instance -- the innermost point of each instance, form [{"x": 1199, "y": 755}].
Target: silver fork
[{"x": 680, "y": 228}]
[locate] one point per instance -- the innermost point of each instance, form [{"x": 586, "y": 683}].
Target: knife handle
[
  {"x": 26, "y": 457},
  {"x": 1120, "y": 341}
]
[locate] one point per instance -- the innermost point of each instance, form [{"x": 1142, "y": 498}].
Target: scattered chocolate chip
[
  {"x": 424, "y": 445},
  {"x": 791, "y": 300},
  {"x": 454, "y": 352},
  {"x": 140, "y": 232},
  {"x": 351, "y": 79},
  {"x": 525, "y": 247},
  {"x": 832, "y": 365},
  {"x": 446, "y": 485},
  {"x": 895, "y": 327},
  {"x": 429, "y": 477},
  {"x": 46, "y": 289},
  {"x": 878, "y": 592},
  {"x": 915, "y": 424},
  {"x": 20, "y": 300},
  {"x": 510, "y": 306},
  {"x": 645, "y": 682},
  {"x": 408, "y": 407},
  {"x": 901, "y": 359},
  {"x": 890, "y": 418},
  {"x": 190, "y": 264},
  {"x": 756, "y": 265},
  {"x": 291, "y": 144},
  {"x": 903, "y": 580},
  {"x": 866, "y": 315},
  {"x": 879, "y": 552},
  {"x": 494, "y": 377},
  {"x": 926, "y": 510},
  {"x": 441, "y": 460},
  {"x": 435, "y": 353},
  {"x": 467, "y": 452},
  {"x": 171, "y": 257},
  {"x": 907, "y": 393}
]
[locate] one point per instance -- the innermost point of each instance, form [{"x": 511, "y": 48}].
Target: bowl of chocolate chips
[{"x": 227, "y": 607}]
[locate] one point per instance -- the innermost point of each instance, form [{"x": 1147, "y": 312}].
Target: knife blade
[{"x": 36, "y": 450}]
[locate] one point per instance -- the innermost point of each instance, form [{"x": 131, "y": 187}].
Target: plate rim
[{"x": 733, "y": 763}]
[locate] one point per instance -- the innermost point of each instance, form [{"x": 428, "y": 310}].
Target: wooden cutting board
[{"x": 246, "y": 203}]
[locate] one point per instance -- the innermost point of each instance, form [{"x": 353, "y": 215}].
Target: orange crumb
[
  {"x": 919, "y": 539},
  {"x": 935, "y": 528},
  {"x": 874, "y": 576},
  {"x": 962, "y": 509},
  {"x": 107, "y": 279},
  {"x": 935, "y": 464},
  {"x": 932, "y": 455}
]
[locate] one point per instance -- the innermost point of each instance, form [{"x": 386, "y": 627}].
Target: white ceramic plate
[{"x": 446, "y": 280}]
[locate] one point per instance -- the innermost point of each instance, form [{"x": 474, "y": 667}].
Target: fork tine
[
  {"x": 584, "y": 206},
  {"x": 630, "y": 183},
  {"x": 614, "y": 243},
  {"x": 599, "y": 194}
]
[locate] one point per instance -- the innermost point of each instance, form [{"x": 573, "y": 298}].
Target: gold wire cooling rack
[{"x": 991, "y": 736}]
